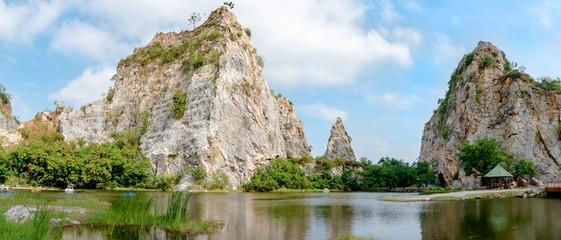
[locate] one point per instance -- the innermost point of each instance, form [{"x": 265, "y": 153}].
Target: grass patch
[
  {"x": 402, "y": 200},
  {"x": 350, "y": 236},
  {"x": 445, "y": 198},
  {"x": 142, "y": 212},
  {"x": 38, "y": 228}
]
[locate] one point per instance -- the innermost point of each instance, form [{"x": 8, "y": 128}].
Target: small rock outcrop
[
  {"x": 488, "y": 98},
  {"x": 18, "y": 214},
  {"x": 339, "y": 145},
  {"x": 194, "y": 99}
]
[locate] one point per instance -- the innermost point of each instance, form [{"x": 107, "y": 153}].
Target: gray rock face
[
  {"x": 483, "y": 100},
  {"x": 7, "y": 120},
  {"x": 339, "y": 145},
  {"x": 18, "y": 214},
  {"x": 232, "y": 122}
]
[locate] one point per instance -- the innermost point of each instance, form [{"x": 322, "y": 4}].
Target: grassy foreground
[{"x": 138, "y": 212}]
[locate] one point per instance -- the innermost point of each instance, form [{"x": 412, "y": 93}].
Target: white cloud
[
  {"x": 322, "y": 111},
  {"x": 543, "y": 12},
  {"x": 388, "y": 13},
  {"x": 85, "y": 88},
  {"x": 89, "y": 41},
  {"x": 408, "y": 35},
  {"x": 393, "y": 101},
  {"x": 21, "y": 21},
  {"x": 317, "y": 44},
  {"x": 446, "y": 51},
  {"x": 414, "y": 6}
]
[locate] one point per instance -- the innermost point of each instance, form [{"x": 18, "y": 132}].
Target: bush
[
  {"x": 487, "y": 60},
  {"x": 217, "y": 180},
  {"x": 525, "y": 168},
  {"x": 198, "y": 173},
  {"x": 507, "y": 67},
  {"x": 248, "y": 32},
  {"x": 179, "y": 102},
  {"x": 548, "y": 83},
  {"x": 469, "y": 59},
  {"x": 110, "y": 95}
]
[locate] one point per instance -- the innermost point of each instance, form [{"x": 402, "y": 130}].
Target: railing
[{"x": 552, "y": 186}]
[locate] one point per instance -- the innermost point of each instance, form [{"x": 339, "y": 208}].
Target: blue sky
[{"x": 379, "y": 65}]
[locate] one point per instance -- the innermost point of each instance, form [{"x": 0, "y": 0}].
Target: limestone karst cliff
[
  {"x": 339, "y": 144},
  {"x": 485, "y": 99},
  {"x": 7, "y": 120},
  {"x": 194, "y": 99},
  {"x": 8, "y": 136}
]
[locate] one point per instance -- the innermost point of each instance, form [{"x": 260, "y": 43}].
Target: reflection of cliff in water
[
  {"x": 275, "y": 216},
  {"x": 492, "y": 219}
]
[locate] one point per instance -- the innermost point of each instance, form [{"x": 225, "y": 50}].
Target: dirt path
[{"x": 461, "y": 194}]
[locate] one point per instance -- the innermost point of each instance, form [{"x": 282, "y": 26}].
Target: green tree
[
  {"x": 524, "y": 168},
  {"x": 229, "y": 4},
  {"x": 424, "y": 174},
  {"x": 194, "y": 19},
  {"x": 484, "y": 154}
]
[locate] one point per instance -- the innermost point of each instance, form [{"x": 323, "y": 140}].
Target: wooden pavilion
[{"x": 498, "y": 177}]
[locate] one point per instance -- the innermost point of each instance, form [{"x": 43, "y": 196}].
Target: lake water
[{"x": 330, "y": 215}]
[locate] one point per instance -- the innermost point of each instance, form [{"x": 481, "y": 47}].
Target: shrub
[
  {"x": 469, "y": 59},
  {"x": 525, "y": 168},
  {"x": 198, "y": 173},
  {"x": 179, "y": 102},
  {"x": 217, "y": 180},
  {"x": 515, "y": 75},
  {"x": 487, "y": 60},
  {"x": 548, "y": 83},
  {"x": 248, "y": 32},
  {"x": 507, "y": 67},
  {"x": 110, "y": 95},
  {"x": 4, "y": 94}
]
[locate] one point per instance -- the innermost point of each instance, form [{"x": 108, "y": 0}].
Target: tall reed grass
[{"x": 38, "y": 228}]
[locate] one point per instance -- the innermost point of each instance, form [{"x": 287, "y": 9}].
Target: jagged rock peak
[
  {"x": 339, "y": 145},
  {"x": 196, "y": 99},
  {"x": 487, "y": 96}
]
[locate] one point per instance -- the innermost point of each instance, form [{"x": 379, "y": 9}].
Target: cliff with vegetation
[
  {"x": 193, "y": 100},
  {"x": 489, "y": 97}
]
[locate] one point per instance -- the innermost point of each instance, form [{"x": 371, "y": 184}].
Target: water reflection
[
  {"x": 328, "y": 216},
  {"x": 492, "y": 219}
]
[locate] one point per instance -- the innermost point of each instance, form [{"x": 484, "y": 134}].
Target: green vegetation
[
  {"x": 217, "y": 180},
  {"x": 47, "y": 160},
  {"x": 515, "y": 75},
  {"x": 195, "y": 49},
  {"x": 144, "y": 213},
  {"x": 388, "y": 173},
  {"x": 485, "y": 153},
  {"x": 350, "y": 236},
  {"x": 229, "y": 4},
  {"x": 110, "y": 95},
  {"x": 469, "y": 59},
  {"x": 194, "y": 19},
  {"x": 38, "y": 228},
  {"x": 487, "y": 60},
  {"x": 198, "y": 173},
  {"x": 507, "y": 67},
  {"x": 179, "y": 102},
  {"x": 549, "y": 84},
  {"x": 248, "y": 32},
  {"x": 4, "y": 95}
]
